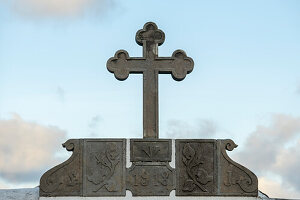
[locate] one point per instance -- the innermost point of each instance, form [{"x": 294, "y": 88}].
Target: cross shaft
[{"x": 150, "y": 65}]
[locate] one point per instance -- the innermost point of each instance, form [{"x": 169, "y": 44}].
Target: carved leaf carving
[
  {"x": 197, "y": 175},
  {"x": 188, "y": 151},
  {"x": 184, "y": 160},
  {"x": 107, "y": 162}
]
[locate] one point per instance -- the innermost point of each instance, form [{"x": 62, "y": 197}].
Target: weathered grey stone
[
  {"x": 66, "y": 178},
  {"x": 150, "y": 65},
  {"x": 150, "y": 179},
  {"x": 235, "y": 179},
  {"x": 196, "y": 167},
  {"x": 104, "y": 167},
  {"x": 97, "y": 168},
  {"x": 150, "y": 150}
]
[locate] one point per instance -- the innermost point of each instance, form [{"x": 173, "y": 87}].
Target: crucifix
[
  {"x": 150, "y": 65},
  {"x": 202, "y": 166}
]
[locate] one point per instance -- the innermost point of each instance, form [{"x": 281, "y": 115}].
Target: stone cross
[
  {"x": 150, "y": 65},
  {"x": 97, "y": 167}
]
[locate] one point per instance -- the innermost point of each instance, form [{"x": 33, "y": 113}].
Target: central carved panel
[
  {"x": 150, "y": 150},
  {"x": 154, "y": 179},
  {"x": 150, "y": 173}
]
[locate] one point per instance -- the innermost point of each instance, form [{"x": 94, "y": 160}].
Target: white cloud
[
  {"x": 27, "y": 149},
  {"x": 273, "y": 150},
  {"x": 275, "y": 189},
  {"x": 57, "y": 8}
]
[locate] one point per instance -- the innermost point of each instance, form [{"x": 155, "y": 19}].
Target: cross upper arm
[
  {"x": 122, "y": 65},
  {"x": 178, "y": 65}
]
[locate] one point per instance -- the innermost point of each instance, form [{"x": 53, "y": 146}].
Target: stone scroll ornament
[
  {"x": 97, "y": 167},
  {"x": 66, "y": 178},
  {"x": 235, "y": 178}
]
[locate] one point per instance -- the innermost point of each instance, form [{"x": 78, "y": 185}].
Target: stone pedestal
[{"x": 191, "y": 167}]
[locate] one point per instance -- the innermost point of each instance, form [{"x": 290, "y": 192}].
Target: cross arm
[
  {"x": 122, "y": 65},
  {"x": 178, "y": 65}
]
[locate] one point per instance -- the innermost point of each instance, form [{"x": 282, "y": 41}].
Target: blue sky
[{"x": 246, "y": 77}]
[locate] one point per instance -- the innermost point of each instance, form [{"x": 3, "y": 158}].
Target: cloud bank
[
  {"x": 27, "y": 149},
  {"x": 272, "y": 151},
  {"x": 275, "y": 149},
  {"x": 58, "y": 8}
]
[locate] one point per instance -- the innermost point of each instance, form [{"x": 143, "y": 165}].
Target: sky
[{"x": 54, "y": 84}]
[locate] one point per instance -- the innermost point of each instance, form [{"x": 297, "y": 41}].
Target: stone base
[{"x": 149, "y": 167}]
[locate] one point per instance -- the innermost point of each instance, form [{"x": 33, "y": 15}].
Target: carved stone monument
[{"x": 97, "y": 166}]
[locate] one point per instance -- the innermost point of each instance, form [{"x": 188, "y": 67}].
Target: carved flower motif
[{"x": 202, "y": 176}]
